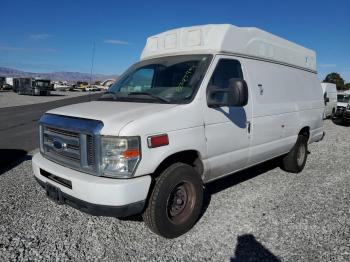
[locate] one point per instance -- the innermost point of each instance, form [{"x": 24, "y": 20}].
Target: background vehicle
[
  {"x": 93, "y": 88},
  {"x": 61, "y": 86},
  {"x": 6, "y": 87},
  {"x": 7, "y": 83},
  {"x": 31, "y": 86},
  {"x": 346, "y": 115},
  {"x": 81, "y": 86},
  {"x": 203, "y": 102},
  {"x": 343, "y": 101},
  {"x": 330, "y": 99}
]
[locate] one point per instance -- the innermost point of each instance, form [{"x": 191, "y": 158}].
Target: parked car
[
  {"x": 81, "y": 86},
  {"x": 343, "y": 101},
  {"x": 6, "y": 87},
  {"x": 6, "y": 83},
  {"x": 330, "y": 99},
  {"x": 203, "y": 103},
  {"x": 93, "y": 88},
  {"x": 346, "y": 115},
  {"x": 61, "y": 86}
]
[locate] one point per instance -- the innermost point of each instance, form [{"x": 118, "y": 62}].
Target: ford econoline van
[
  {"x": 330, "y": 99},
  {"x": 202, "y": 103}
]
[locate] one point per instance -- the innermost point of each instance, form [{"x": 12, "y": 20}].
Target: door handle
[{"x": 248, "y": 125}]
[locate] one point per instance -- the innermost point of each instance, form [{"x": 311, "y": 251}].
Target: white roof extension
[{"x": 246, "y": 41}]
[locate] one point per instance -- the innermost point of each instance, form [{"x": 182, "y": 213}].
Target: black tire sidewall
[
  {"x": 174, "y": 175},
  {"x": 302, "y": 141}
]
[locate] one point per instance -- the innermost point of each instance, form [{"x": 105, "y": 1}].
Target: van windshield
[
  {"x": 42, "y": 83},
  {"x": 173, "y": 79},
  {"x": 344, "y": 98}
]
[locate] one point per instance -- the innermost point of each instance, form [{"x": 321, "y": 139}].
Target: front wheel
[
  {"x": 176, "y": 201},
  {"x": 333, "y": 113},
  {"x": 295, "y": 160}
]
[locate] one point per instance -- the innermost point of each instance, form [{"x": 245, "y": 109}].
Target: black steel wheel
[{"x": 176, "y": 201}]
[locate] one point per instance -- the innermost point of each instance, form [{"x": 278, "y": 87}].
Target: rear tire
[
  {"x": 295, "y": 160},
  {"x": 176, "y": 201}
]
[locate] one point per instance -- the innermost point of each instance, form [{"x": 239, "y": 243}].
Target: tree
[
  {"x": 336, "y": 79},
  {"x": 347, "y": 86}
]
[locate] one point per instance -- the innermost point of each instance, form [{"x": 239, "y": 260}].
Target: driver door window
[{"x": 225, "y": 70}]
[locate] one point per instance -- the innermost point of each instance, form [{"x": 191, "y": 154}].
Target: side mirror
[
  {"x": 326, "y": 100},
  {"x": 235, "y": 95}
]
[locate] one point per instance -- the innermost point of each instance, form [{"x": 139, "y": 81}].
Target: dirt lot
[
  {"x": 9, "y": 98},
  {"x": 261, "y": 214}
]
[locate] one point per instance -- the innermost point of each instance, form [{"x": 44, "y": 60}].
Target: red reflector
[{"x": 157, "y": 141}]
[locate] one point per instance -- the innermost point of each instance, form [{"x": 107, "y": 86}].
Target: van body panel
[{"x": 184, "y": 126}]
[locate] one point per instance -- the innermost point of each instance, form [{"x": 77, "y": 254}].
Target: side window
[
  {"x": 225, "y": 70},
  {"x": 140, "y": 80}
]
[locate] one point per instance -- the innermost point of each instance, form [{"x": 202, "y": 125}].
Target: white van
[
  {"x": 330, "y": 99},
  {"x": 204, "y": 102}
]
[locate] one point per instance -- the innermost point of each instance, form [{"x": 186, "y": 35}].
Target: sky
[{"x": 46, "y": 36}]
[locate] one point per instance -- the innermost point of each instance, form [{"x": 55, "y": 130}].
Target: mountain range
[{"x": 55, "y": 76}]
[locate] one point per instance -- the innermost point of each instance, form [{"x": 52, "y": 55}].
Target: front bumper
[
  {"x": 339, "y": 112},
  {"x": 346, "y": 116},
  {"x": 92, "y": 194}
]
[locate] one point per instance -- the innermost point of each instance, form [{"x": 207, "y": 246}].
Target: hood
[
  {"x": 343, "y": 104},
  {"x": 114, "y": 115}
]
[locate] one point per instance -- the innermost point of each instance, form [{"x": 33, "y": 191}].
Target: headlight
[{"x": 119, "y": 156}]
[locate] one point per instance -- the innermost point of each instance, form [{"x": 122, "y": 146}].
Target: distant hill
[{"x": 56, "y": 76}]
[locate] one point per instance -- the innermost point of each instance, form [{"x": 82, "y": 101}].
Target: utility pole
[{"x": 92, "y": 65}]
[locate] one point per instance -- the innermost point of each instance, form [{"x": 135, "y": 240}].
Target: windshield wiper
[
  {"x": 107, "y": 95},
  {"x": 150, "y": 95}
]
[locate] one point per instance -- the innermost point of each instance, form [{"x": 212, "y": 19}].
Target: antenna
[{"x": 92, "y": 65}]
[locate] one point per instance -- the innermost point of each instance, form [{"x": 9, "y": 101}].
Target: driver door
[{"x": 227, "y": 129}]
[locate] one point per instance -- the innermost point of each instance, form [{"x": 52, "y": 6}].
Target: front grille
[
  {"x": 72, "y": 142},
  {"x": 70, "y": 148},
  {"x": 90, "y": 150},
  {"x": 69, "y": 142}
]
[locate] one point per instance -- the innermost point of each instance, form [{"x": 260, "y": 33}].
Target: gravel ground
[
  {"x": 262, "y": 214},
  {"x": 9, "y": 98}
]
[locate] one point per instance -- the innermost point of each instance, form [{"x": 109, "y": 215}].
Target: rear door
[{"x": 227, "y": 129}]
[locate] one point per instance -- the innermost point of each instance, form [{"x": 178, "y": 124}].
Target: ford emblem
[{"x": 58, "y": 145}]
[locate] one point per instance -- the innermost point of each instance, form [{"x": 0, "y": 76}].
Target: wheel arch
[
  {"x": 190, "y": 157},
  {"x": 305, "y": 131}
]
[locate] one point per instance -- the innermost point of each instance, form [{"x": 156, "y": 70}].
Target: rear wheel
[
  {"x": 176, "y": 201},
  {"x": 295, "y": 160}
]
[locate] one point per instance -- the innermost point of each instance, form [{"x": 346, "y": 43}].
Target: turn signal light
[
  {"x": 158, "y": 140},
  {"x": 131, "y": 153}
]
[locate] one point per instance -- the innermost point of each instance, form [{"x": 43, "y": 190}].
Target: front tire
[
  {"x": 176, "y": 201},
  {"x": 295, "y": 160},
  {"x": 333, "y": 113}
]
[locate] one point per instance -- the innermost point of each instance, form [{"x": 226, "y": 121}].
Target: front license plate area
[{"x": 54, "y": 193}]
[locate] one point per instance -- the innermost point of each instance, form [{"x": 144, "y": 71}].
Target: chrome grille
[
  {"x": 72, "y": 142},
  {"x": 90, "y": 150}
]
